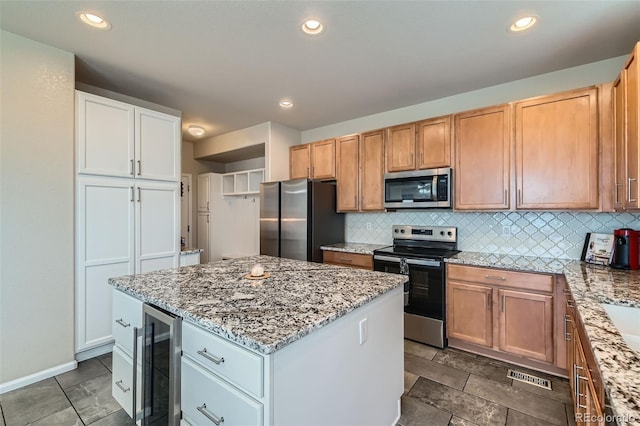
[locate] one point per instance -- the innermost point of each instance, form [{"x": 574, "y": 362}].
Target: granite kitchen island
[{"x": 309, "y": 344}]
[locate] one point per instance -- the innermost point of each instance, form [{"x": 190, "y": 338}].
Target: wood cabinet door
[
  {"x": 557, "y": 151},
  {"x": 434, "y": 143},
  {"x": 483, "y": 158},
  {"x": 323, "y": 159},
  {"x": 158, "y": 141},
  {"x": 299, "y": 161},
  {"x": 526, "y": 324},
  {"x": 372, "y": 171},
  {"x": 347, "y": 171},
  {"x": 400, "y": 148},
  {"x": 632, "y": 71},
  {"x": 620, "y": 141},
  {"x": 469, "y": 313}
]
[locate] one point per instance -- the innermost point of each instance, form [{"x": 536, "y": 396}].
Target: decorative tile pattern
[{"x": 540, "y": 234}]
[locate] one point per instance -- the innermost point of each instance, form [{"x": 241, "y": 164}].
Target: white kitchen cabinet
[
  {"x": 188, "y": 259},
  {"x": 204, "y": 192},
  {"x": 117, "y": 139},
  {"x": 123, "y": 227},
  {"x": 204, "y": 234}
]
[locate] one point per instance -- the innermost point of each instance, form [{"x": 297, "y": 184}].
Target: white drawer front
[
  {"x": 122, "y": 380},
  {"x": 240, "y": 367},
  {"x": 127, "y": 314},
  {"x": 216, "y": 400}
]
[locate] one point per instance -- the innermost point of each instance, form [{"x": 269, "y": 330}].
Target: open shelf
[{"x": 242, "y": 183}]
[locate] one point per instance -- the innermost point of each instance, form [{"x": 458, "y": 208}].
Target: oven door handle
[
  {"x": 387, "y": 258},
  {"x": 433, "y": 263}
]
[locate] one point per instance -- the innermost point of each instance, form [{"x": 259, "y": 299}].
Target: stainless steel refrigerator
[{"x": 297, "y": 217}]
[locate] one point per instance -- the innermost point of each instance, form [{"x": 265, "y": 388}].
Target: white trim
[
  {"x": 94, "y": 352},
  {"x": 36, "y": 377}
]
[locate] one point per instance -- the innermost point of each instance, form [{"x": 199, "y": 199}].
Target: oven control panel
[{"x": 425, "y": 233}]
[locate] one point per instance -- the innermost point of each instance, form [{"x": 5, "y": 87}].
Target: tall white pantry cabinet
[{"x": 127, "y": 205}]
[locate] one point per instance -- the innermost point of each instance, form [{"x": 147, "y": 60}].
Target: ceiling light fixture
[
  {"x": 196, "y": 131},
  {"x": 94, "y": 20},
  {"x": 523, "y": 23},
  {"x": 286, "y": 104},
  {"x": 312, "y": 26}
]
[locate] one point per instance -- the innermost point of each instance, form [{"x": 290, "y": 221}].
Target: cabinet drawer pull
[
  {"x": 215, "y": 419},
  {"x": 566, "y": 291},
  {"x": 139, "y": 167},
  {"x": 495, "y": 277},
  {"x": 505, "y": 198},
  {"x": 132, "y": 195},
  {"x": 488, "y": 301},
  {"x": 616, "y": 196},
  {"x": 132, "y": 168},
  {"x": 211, "y": 358},
  {"x": 346, "y": 259},
  {"x": 122, "y": 323},
  {"x": 122, "y": 388},
  {"x": 139, "y": 194},
  {"x": 567, "y": 336},
  {"x": 570, "y": 303},
  {"x": 519, "y": 197}
]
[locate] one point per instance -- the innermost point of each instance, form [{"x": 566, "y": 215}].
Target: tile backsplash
[{"x": 543, "y": 234}]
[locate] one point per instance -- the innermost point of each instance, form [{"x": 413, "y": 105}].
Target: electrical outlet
[
  {"x": 364, "y": 331},
  {"x": 368, "y": 226},
  {"x": 506, "y": 231}
]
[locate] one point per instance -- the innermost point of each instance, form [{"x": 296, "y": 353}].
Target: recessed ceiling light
[
  {"x": 196, "y": 131},
  {"x": 523, "y": 23},
  {"x": 312, "y": 26},
  {"x": 94, "y": 20},
  {"x": 286, "y": 104}
]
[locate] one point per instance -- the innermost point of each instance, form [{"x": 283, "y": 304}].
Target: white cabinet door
[
  {"x": 157, "y": 226},
  {"x": 204, "y": 192},
  {"x": 105, "y": 136},
  {"x": 157, "y": 145},
  {"x": 204, "y": 224},
  {"x": 104, "y": 249}
]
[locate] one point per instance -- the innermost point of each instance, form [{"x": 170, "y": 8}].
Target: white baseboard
[
  {"x": 94, "y": 352},
  {"x": 36, "y": 377}
]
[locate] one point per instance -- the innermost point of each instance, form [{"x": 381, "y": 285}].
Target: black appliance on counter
[{"x": 419, "y": 253}]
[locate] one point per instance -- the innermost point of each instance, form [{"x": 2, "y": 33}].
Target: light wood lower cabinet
[
  {"x": 587, "y": 390},
  {"x": 354, "y": 260},
  {"x": 499, "y": 312},
  {"x": 469, "y": 313}
]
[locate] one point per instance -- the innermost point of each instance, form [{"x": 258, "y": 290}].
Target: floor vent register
[{"x": 528, "y": 378}]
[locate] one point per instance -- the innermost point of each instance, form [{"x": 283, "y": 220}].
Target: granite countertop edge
[
  {"x": 355, "y": 248},
  {"x": 590, "y": 285}
]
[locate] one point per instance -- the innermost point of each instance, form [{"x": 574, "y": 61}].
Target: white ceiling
[{"x": 226, "y": 64}]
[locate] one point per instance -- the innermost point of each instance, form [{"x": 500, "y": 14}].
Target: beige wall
[
  {"x": 36, "y": 207},
  {"x": 570, "y": 78}
]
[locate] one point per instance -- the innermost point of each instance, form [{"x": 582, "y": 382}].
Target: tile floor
[{"x": 442, "y": 387}]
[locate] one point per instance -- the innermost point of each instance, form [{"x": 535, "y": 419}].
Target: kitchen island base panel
[{"x": 329, "y": 378}]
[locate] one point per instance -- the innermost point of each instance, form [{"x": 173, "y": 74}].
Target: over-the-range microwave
[{"x": 419, "y": 189}]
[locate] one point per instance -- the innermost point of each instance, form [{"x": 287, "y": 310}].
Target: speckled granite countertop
[
  {"x": 590, "y": 286},
  {"x": 190, "y": 250},
  {"x": 264, "y": 315},
  {"x": 358, "y": 248}
]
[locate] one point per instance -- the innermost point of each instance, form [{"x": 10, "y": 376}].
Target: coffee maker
[{"x": 626, "y": 249}]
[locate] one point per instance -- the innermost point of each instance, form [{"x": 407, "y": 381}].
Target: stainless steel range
[{"x": 419, "y": 252}]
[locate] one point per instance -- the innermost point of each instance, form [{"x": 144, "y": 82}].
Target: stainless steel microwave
[{"x": 419, "y": 189}]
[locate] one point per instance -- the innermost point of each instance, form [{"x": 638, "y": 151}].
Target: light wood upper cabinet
[
  {"x": 372, "y": 171},
  {"x": 313, "y": 160},
  {"x": 483, "y": 147},
  {"x": 323, "y": 159},
  {"x": 347, "y": 173},
  {"x": 626, "y": 94},
  {"x": 300, "y": 161},
  {"x": 433, "y": 143},
  {"x": 556, "y": 144},
  {"x": 401, "y": 147}
]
